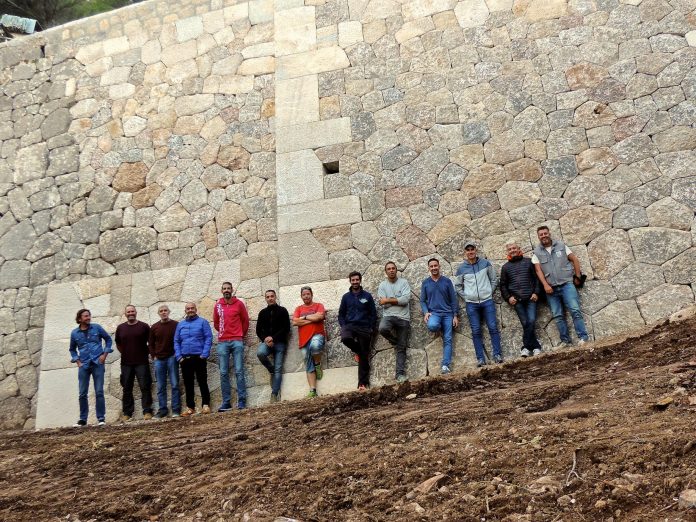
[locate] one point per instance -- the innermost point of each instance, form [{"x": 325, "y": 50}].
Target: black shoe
[
  {"x": 499, "y": 359},
  {"x": 161, "y": 414},
  {"x": 80, "y": 424}
]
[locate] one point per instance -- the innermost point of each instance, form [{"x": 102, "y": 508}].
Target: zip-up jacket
[
  {"x": 439, "y": 297},
  {"x": 274, "y": 321},
  {"x": 193, "y": 336},
  {"x": 518, "y": 279},
  {"x": 358, "y": 309},
  {"x": 230, "y": 320},
  {"x": 86, "y": 345},
  {"x": 476, "y": 281}
]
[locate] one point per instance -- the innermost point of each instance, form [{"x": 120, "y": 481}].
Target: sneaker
[
  {"x": 401, "y": 379},
  {"x": 312, "y": 394},
  {"x": 536, "y": 351},
  {"x": 319, "y": 372},
  {"x": 224, "y": 408},
  {"x": 80, "y": 424},
  {"x": 445, "y": 370},
  {"x": 362, "y": 387},
  {"x": 275, "y": 397},
  {"x": 175, "y": 415},
  {"x": 480, "y": 364},
  {"x": 101, "y": 423},
  {"x": 125, "y": 418},
  {"x": 188, "y": 412},
  {"x": 205, "y": 410},
  {"x": 356, "y": 358},
  {"x": 161, "y": 415},
  {"x": 566, "y": 344},
  {"x": 525, "y": 352},
  {"x": 499, "y": 359},
  {"x": 147, "y": 416},
  {"x": 582, "y": 341},
  {"x": 241, "y": 404}
]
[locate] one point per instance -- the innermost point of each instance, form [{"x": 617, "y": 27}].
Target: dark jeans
[
  {"x": 276, "y": 367},
  {"x": 475, "y": 311},
  {"x": 526, "y": 311},
  {"x": 96, "y": 371},
  {"x": 396, "y": 330},
  {"x": 194, "y": 367},
  {"x": 128, "y": 375},
  {"x": 359, "y": 340}
]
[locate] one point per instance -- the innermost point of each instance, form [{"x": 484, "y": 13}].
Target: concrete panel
[
  {"x": 299, "y": 177},
  {"x": 312, "y": 62},
  {"x": 316, "y": 214},
  {"x": 60, "y": 318},
  {"x": 336, "y": 380},
  {"x": 313, "y": 135}
]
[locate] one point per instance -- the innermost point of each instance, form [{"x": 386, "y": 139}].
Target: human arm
[
  {"x": 74, "y": 358},
  {"x": 216, "y": 318},
  {"x": 504, "y": 285},
  {"x": 403, "y": 295},
  {"x": 259, "y": 323},
  {"x": 536, "y": 284},
  {"x": 458, "y": 282},
  {"x": 117, "y": 337},
  {"x": 492, "y": 276},
  {"x": 151, "y": 342},
  {"x": 576, "y": 264},
  {"x": 542, "y": 279},
  {"x": 342, "y": 309},
  {"x": 207, "y": 339},
  {"x": 372, "y": 311},
  {"x": 284, "y": 326},
  {"x": 244, "y": 316},
  {"x": 424, "y": 300},
  {"x": 107, "y": 344},
  {"x": 177, "y": 342}
]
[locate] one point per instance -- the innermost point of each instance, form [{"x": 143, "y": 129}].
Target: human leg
[
  {"x": 278, "y": 356},
  {"x": 201, "y": 372},
  {"x": 488, "y": 307},
  {"x": 473, "y": 312},
  {"x": 434, "y": 323},
  {"x": 263, "y": 353},
  {"x": 403, "y": 329},
  {"x": 173, "y": 371},
  {"x": 447, "y": 332},
  {"x": 161, "y": 370},
  {"x": 364, "y": 341},
  {"x": 571, "y": 299},
  {"x": 386, "y": 328},
  {"x": 83, "y": 374},
  {"x": 98, "y": 371},
  {"x": 240, "y": 377},
  {"x": 142, "y": 373},
  {"x": 127, "y": 382},
  {"x": 556, "y": 306},
  {"x": 223, "y": 349},
  {"x": 188, "y": 373}
]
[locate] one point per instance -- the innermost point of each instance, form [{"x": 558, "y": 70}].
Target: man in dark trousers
[
  {"x": 272, "y": 327},
  {"x": 193, "y": 339},
  {"x": 131, "y": 340},
  {"x": 161, "y": 345},
  {"x": 520, "y": 287},
  {"x": 357, "y": 316}
]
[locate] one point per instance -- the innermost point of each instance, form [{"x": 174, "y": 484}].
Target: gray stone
[
  {"x": 86, "y": 230},
  {"x": 581, "y": 225},
  {"x": 17, "y": 241},
  {"x": 101, "y": 199},
  {"x": 531, "y": 123},
  {"x": 636, "y": 279},
  {"x": 126, "y": 243},
  {"x": 387, "y": 249},
  {"x": 682, "y": 268},
  {"x": 46, "y": 245},
  {"x": 362, "y": 125},
  {"x": 617, "y": 317},
  {"x": 194, "y": 195},
  {"x": 668, "y": 213},
  {"x": 451, "y": 178},
  {"x": 664, "y": 300},
  {"x": 677, "y": 164},
  {"x": 63, "y": 160},
  {"x": 675, "y": 139},
  {"x": 14, "y": 274},
  {"x": 562, "y": 142},
  {"x": 595, "y": 295},
  {"x": 634, "y": 148},
  {"x": 558, "y": 173},
  {"x": 684, "y": 191},
  {"x": 610, "y": 253},
  {"x": 630, "y": 216},
  {"x": 343, "y": 262},
  {"x": 302, "y": 259},
  {"x": 31, "y": 163},
  {"x": 57, "y": 122},
  {"x": 655, "y": 245},
  {"x": 398, "y": 157}
]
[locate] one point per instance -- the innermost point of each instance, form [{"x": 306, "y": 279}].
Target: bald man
[{"x": 192, "y": 341}]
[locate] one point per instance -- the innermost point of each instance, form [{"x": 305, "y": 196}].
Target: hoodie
[
  {"x": 476, "y": 282},
  {"x": 230, "y": 320}
]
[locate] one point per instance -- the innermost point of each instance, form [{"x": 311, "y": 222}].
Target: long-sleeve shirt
[
  {"x": 399, "y": 290},
  {"x": 518, "y": 279},
  {"x": 193, "y": 336},
  {"x": 161, "y": 343},
  {"x": 231, "y": 320},
  {"x": 357, "y": 309},
  {"x": 274, "y": 321},
  {"x": 475, "y": 282},
  {"x": 86, "y": 345},
  {"x": 439, "y": 297},
  {"x": 131, "y": 341}
]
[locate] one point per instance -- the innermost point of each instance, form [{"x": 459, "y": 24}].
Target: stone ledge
[
  {"x": 312, "y": 62},
  {"x": 316, "y": 214},
  {"x": 313, "y": 135}
]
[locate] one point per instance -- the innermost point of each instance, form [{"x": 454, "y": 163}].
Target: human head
[
  {"x": 131, "y": 313},
  {"x": 227, "y": 290},
  {"x": 470, "y": 251},
  {"x": 513, "y": 250},
  {"x": 270, "y": 297},
  {"x": 83, "y": 316},
  {"x": 306, "y": 294},
  {"x": 355, "y": 279},
  {"x": 544, "y": 235},
  {"x": 163, "y": 311},
  {"x": 434, "y": 267},
  {"x": 390, "y": 269},
  {"x": 190, "y": 309}
]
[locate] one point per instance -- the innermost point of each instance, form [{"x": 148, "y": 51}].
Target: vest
[{"x": 556, "y": 266}]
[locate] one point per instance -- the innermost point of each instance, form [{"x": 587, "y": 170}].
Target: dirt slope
[{"x": 505, "y": 439}]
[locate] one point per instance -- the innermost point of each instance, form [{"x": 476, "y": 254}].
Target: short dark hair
[
  {"x": 79, "y": 314},
  {"x": 390, "y": 263},
  {"x": 433, "y": 259},
  {"x": 226, "y": 283},
  {"x": 542, "y": 227},
  {"x": 270, "y": 290},
  {"x": 355, "y": 273},
  {"x": 306, "y": 288}
]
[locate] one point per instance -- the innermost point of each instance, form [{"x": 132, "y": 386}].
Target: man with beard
[
  {"x": 131, "y": 340},
  {"x": 161, "y": 345},
  {"x": 192, "y": 342},
  {"x": 394, "y": 295},
  {"x": 272, "y": 327},
  {"x": 309, "y": 319}
]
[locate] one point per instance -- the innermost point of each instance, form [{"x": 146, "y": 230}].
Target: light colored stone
[
  {"x": 314, "y": 135},
  {"x": 299, "y": 177},
  {"x": 260, "y": 11},
  {"x": 581, "y": 225},
  {"x": 516, "y": 194},
  {"x": 610, "y": 253},
  {"x": 187, "y": 105},
  {"x": 297, "y": 101},
  {"x": 143, "y": 292},
  {"x": 617, "y": 317},
  {"x": 295, "y": 30},
  {"x": 188, "y": 28},
  {"x": 449, "y": 226},
  {"x": 312, "y": 62},
  {"x": 536, "y": 10},
  {"x": 31, "y": 163},
  {"x": 668, "y": 213},
  {"x": 301, "y": 258},
  {"x": 60, "y": 318},
  {"x": 115, "y": 45},
  {"x": 168, "y": 276},
  {"x": 257, "y": 66},
  {"x": 336, "y": 380},
  {"x": 173, "y": 54},
  {"x": 328, "y": 293},
  {"x": 99, "y": 306},
  {"x": 421, "y": 8},
  {"x": 349, "y": 33},
  {"x": 414, "y": 28},
  {"x": 663, "y": 301},
  {"x": 316, "y": 214},
  {"x": 654, "y": 245},
  {"x": 126, "y": 243},
  {"x": 471, "y": 13},
  {"x": 197, "y": 281}
]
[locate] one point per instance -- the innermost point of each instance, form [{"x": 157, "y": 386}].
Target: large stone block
[
  {"x": 297, "y": 101},
  {"x": 471, "y": 13},
  {"x": 313, "y": 135},
  {"x": 336, "y": 380},
  {"x": 664, "y": 300},
  {"x": 654, "y": 245},
  {"x": 62, "y": 302},
  {"x": 295, "y": 30},
  {"x": 31, "y": 163},
  {"x": 616, "y": 317},
  {"x": 318, "y": 214},
  {"x": 610, "y": 253},
  {"x": 126, "y": 243},
  {"x": 55, "y": 353},
  {"x": 301, "y": 258},
  {"x": 583, "y": 224},
  {"x": 311, "y": 62},
  {"x": 299, "y": 177},
  {"x": 328, "y": 293},
  {"x": 197, "y": 281}
]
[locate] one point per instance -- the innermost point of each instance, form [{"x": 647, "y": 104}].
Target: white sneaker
[
  {"x": 445, "y": 369},
  {"x": 525, "y": 352},
  {"x": 101, "y": 423},
  {"x": 581, "y": 341},
  {"x": 536, "y": 351}
]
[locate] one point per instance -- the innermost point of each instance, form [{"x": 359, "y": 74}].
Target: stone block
[
  {"x": 422, "y": 8},
  {"x": 349, "y": 33},
  {"x": 654, "y": 245},
  {"x": 299, "y": 177},
  {"x": 318, "y": 214},
  {"x": 328, "y": 293},
  {"x": 168, "y": 276},
  {"x": 198, "y": 278},
  {"x": 31, "y": 163},
  {"x": 537, "y": 10},
  {"x": 62, "y": 302},
  {"x": 188, "y": 28},
  {"x": 301, "y": 258},
  {"x": 297, "y": 101},
  {"x": 617, "y": 317},
  {"x": 260, "y": 11},
  {"x": 313, "y": 135},
  {"x": 257, "y": 66},
  {"x": 55, "y": 353},
  {"x": 336, "y": 380},
  {"x": 471, "y": 13},
  {"x": 143, "y": 291},
  {"x": 295, "y": 30},
  {"x": 224, "y": 271},
  {"x": 663, "y": 301},
  {"x": 311, "y": 62},
  {"x": 98, "y": 306}
]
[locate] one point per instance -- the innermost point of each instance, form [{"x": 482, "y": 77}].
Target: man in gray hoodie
[
  {"x": 394, "y": 294},
  {"x": 475, "y": 282}
]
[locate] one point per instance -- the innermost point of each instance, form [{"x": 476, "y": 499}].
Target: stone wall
[{"x": 145, "y": 139}]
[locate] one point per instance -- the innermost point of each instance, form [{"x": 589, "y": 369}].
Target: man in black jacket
[
  {"x": 272, "y": 327},
  {"x": 520, "y": 287}
]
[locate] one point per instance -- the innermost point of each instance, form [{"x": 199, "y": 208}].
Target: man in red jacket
[{"x": 231, "y": 321}]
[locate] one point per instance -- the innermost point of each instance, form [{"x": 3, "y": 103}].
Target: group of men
[{"x": 553, "y": 267}]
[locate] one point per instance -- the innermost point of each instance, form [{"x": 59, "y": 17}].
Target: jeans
[
  {"x": 313, "y": 347},
  {"x": 486, "y": 309},
  {"x": 236, "y": 349},
  {"x": 443, "y": 322},
  {"x": 359, "y": 340},
  {"x": 390, "y": 325},
  {"x": 276, "y": 368},
  {"x": 526, "y": 311},
  {"x": 566, "y": 295},
  {"x": 168, "y": 368},
  {"x": 96, "y": 371},
  {"x": 128, "y": 375},
  {"x": 195, "y": 367}
]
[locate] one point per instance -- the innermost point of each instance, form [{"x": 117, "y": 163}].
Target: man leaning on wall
[
  {"x": 393, "y": 295},
  {"x": 161, "y": 346},
  {"x": 131, "y": 340}
]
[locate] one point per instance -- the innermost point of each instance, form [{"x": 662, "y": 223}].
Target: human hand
[
  {"x": 79, "y": 363},
  {"x": 534, "y": 298},
  {"x": 548, "y": 289},
  {"x": 102, "y": 358},
  {"x": 427, "y": 316},
  {"x": 512, "y": 301},
  {"x": 455, "y": 321}
]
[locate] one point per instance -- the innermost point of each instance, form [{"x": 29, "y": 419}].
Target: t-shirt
[
  {"x": 535, "y": 259},
  {"x": 307, "y": 331},
  {"x": 131, "y": 341}
]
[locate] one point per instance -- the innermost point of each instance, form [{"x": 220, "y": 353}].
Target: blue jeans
[
  {"x": 163, "y": 368},
  {"x": 275, "y": 369},
  {"x": 313, "y": 347},
  {"x": 236, "y": 349},
  {"x": 475, "y": 311},
  {"x": 526, "y": 311},
  {"x": 566, "y": 295},
  {"x": 96, "y": 371},
  {"x": 443, "y": 322}
]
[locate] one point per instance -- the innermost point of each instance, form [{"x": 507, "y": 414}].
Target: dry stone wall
[{"x": 308, "y": 138}]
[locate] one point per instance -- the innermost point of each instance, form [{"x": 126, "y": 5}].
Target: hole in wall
[{"x": 331, "y": 167}]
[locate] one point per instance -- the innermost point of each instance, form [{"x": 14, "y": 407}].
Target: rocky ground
[{"x": 603, "y": 432}]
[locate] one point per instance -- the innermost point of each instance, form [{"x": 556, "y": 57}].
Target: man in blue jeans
[
  {"x": 475, "y": 282},
  {"x": 440, "y": 308},
  {"x": 89, "y": 346},
  {"x": 272, "y": 328},
  {"x": 558, "y": 269},
  {"x": 161, "y": 346}
]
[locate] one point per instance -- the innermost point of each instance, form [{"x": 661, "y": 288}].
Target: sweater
[
  {"x": 475, "y": 282},
  {"x": 131, "y": 341},
  {"x": 231, "y": 320},
  {"x": 439, "y": 297},
  {"x": 518, "y": 279},
  {"x": 193, "y": 336},
  {"x": 399, "y": 290},
  {"x": 274, "y": 321},
  {"x": 357, "y": 309},
  {"x": 161, "y": 342}
]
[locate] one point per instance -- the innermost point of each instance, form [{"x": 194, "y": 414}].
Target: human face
[
  {"x": 470, "y": 253},
  {"x": 227, "y": 291},
  {"x": 85, "y": 318},
  {"x": 163, "y": 312},
  {"x": 513, "y": 250},
  {"x": 355, "y": 283},
  {"x": 306, "y": 297},
  {"x": 390, "y": 270},
  {"x": 544, "y": 236},
  {"x": 131, "y": 314},
  {"x": 191, "y": 310},
  {"x": 434, "y": 268},
  {"x": 270, "y": 298}
]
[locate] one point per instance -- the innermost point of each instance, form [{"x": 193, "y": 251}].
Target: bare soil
[{"x": 602, "y": 432}]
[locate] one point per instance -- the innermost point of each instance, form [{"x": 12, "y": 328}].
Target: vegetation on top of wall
[{"x": 55, "y": 12}]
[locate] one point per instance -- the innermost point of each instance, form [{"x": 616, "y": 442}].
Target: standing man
[
  {"x": 89, "y": 346},
  {"x": 161, "y": 345},
  {"x": 394, "y": 295},
  {"x": 520, "y": 287},
  {"x": 131, "y": 340},
  {"x": 440, "y": 307},
  {"x": 309, "y": 319},
  {"x": 357, "y": 316},
  {"x": 558, "y": 269},
  {"x": 193, "y": 339},
  {"x": 272, "y": 328},
  {"x": 231, "y": 320},
  {"x": 476, "y": 281}
]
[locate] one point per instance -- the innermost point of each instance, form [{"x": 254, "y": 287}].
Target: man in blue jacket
[
  {"x": 192, "y": 341},
  {"x": 357, "y": 316},
  {"x": 89, "y": 346},
  {"x": 440, "y": 308},
  {"x": 476, "y": 281}
]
